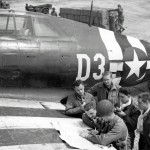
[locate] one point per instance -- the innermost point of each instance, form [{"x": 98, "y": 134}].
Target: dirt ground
[{"x": 136, "y": 12}]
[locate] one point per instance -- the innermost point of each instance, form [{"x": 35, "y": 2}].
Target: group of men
[{"x": 111, "y": 113}]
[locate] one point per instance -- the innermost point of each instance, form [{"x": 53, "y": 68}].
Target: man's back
[{"x": 117, "y": 135}]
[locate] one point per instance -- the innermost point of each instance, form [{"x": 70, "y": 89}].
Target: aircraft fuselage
[{"x": 57, "y": 51}]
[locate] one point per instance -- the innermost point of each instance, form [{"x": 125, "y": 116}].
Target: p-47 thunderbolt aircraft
[
  {"x": 53, "y": 51},
  {"x": 38, "y": 50}
]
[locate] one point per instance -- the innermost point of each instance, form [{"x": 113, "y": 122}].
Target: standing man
[
  {"x": 53, "y": 13},
  {"x": 106, "y": 89},
  {"x": 120, "y": 17},
  {"x": 128, "y": 112},
  {"x": 143, "y": 126},
  {"x": 116, "y": 132},
  {"x": 76, "y": 101}
]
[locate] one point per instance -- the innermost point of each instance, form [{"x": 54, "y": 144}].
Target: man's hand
[
  {"x": 93, "y": 132},
  {"x": 82, "y": 106},
  {"x": 84, "y": 134},
  {"x": 121, "y": 114},
  {"x": 118, "y": 109}
]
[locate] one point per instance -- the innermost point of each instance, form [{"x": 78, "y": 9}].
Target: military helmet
[{"x": 105, "y": 108}]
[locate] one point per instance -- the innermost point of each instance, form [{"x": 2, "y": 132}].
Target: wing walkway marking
[
  {"x": 14, "y": 122},
  {"x": 30, "y": 104},
  {"x": 53, "y": 105},
  {"x": 20, "y": 103},
  {"x": 24, "y": 132}
]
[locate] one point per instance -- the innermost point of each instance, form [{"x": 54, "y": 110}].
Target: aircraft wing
[{"x": 32, "y": 122}]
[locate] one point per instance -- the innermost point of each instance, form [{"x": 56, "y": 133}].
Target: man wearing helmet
[{"x": 116, "y": 132}]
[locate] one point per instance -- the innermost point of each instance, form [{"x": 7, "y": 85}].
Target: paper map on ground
[{"x": 70, "y": 133}]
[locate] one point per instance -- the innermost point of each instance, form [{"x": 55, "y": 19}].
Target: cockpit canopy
[{"x": 29, "y": 24}]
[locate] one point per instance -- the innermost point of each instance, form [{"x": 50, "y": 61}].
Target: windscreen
[{"x": 43, "y": 27}]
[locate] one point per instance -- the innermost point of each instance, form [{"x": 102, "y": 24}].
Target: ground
[{"x": 136, "y": 12}]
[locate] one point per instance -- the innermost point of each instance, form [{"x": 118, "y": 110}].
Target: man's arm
[
  {"x": 104, "y": 139},
  {"x": 93, "y": 90},
  {"x": 71, "y": 109},
  {"x": 131, "y": 119}
]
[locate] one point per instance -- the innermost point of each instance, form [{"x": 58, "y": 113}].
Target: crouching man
[
  {"x": 110, "y": 128},
  {"x": 76, "y": 101}
]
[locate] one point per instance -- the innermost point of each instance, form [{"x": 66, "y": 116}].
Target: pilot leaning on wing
[
  {"x": 90, "y": 115},
  {"x": 106, "y": 89},
  {"x": 109, "y": 128},
  {"x": 77, "y": 100}
]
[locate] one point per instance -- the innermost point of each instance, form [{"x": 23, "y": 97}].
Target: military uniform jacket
[
  {"x": 146, "y": 131},
  {"x": 74, "y": 102},
  {"x": 117, "y": 134},
  {"x": 101, "y": 91},
  {"x": 132, "y": 114}
]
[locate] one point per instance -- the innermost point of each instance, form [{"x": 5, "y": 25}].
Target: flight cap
[{"x": 105, "y": 108}]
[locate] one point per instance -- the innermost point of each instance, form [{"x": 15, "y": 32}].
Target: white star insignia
[{"x": 135, "y": 65}]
